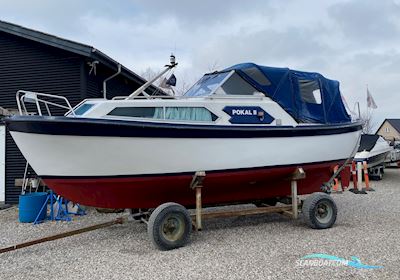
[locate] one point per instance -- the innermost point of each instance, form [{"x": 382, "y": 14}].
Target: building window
[{"x": 387, "y": 129}]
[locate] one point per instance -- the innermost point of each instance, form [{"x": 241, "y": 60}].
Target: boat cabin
[{"x": 244, "y": 94}]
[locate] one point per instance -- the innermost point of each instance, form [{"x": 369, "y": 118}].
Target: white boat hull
[{"x": 64, "y": 155}]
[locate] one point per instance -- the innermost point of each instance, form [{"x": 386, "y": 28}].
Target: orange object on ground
[
  {"x": 366, "y": 176},
  {"x": 345, "y": 177},
  {"x": 354, "y": 173},
  {"x": 336, "y": 180}
]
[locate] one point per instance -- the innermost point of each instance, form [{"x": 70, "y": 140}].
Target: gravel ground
[{"x": 258, "y": 247}]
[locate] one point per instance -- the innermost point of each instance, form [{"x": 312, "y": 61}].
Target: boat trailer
[
  {"x": 289, "y": 210},
  {"x": 169, "y": 225}
]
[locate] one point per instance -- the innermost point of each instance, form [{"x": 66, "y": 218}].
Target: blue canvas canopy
[{"x": 306, "y": 96}]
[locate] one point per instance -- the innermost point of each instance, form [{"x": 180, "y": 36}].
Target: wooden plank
[
  {"x": 244, "y": 212},
  {"x": 19, "y": 182},
  {"x": 198, "y": 208},
  {"x": 62, "y": 235},
  {"x": 287, "y": 214},
  {"x": 295, "y": 203}
]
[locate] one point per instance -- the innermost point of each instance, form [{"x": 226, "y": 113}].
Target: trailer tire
[
  {"x": 169, "y": 226},
  {"x": 319, "y": 211}
]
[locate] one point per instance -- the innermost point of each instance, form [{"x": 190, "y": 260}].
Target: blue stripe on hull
[{"x": 118, "y": 128}]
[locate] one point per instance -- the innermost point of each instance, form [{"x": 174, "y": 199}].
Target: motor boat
[
  {"x": 248, "y": 127},
  {"x": 373, "y": 150},
  {"x": 393, "y": 158}
]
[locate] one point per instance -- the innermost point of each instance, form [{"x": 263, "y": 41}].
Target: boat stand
[
  {"x": 58, "y": 209},
  {"x": 291, "y": 210}
]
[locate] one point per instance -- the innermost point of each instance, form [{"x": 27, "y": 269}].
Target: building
[
  {"x": 36, "y": 61},
  {"x": 390, "y": 129}
]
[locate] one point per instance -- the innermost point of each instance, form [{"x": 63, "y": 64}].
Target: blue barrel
[{"x": 30, "y": 205}]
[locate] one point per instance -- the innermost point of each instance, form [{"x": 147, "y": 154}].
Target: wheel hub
[
  {"x": 173, "y": 228},
  {"x": 323, "y": 212}
]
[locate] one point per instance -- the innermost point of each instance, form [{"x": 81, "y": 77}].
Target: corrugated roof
[{"x": 72, "y": 46}]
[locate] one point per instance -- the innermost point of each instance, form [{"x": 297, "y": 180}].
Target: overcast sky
[{"x": 356, "y": 42}]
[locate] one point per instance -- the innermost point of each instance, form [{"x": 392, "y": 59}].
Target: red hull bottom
[{"x": 219, "y": 187}]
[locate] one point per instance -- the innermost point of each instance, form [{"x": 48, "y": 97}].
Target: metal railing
[
  {"x": 145, "y": 97},
  {"x": 24, "y": 96}
]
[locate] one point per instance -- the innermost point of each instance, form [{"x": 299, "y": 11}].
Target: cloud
[
  {"x": 293, "y": 47},
  {"x": 375, "y": 23},
  {"x": 206, "y": 13}
]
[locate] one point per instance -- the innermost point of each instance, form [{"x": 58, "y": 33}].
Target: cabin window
[
  {"x": 171, "y": 113},
  {"x": 83, "y": 109},
  {"x": 235, "y": 85},
  {"x": 189, "y": 114},
  {"x": 138, "y": 112},
  {"x": 310, "y": 91},
  {"x": 257, "y": 76}
]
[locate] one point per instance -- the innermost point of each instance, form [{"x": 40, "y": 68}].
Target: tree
[
  {"x": 149, "y": 73},
  {"x": 183, "y": 83},
  {"x": 368, "y": 123},
  {"x": 213, "y": 67}
]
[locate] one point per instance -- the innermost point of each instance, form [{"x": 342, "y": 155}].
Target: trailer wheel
[
  {"x": 319, "y": 211},
  {"x": 169, "y": 226}
]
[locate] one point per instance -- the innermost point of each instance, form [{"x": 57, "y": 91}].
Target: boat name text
[{"x": 244, "y": 112}]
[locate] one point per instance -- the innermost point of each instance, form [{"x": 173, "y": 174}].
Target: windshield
[
  {"x": 82, "y": 109},
  {"x": 206, "y": 85}
]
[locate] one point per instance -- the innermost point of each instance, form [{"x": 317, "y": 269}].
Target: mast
[{"x": 146, "y": 85}]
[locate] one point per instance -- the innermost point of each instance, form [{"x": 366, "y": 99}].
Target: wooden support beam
[
  {"x": 298, "y": 174},
  {"x": 19, "y": 182},
  {"x": 244, "y": 212},
  {"x": 295, "y": 203},
  {"x": 196, "y": 184},
  {"x": 198, "y": 208}
]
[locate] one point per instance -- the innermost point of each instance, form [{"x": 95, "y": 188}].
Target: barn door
[{"x": 2, "y": 163}]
